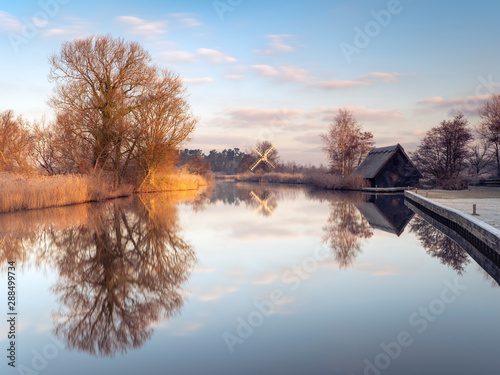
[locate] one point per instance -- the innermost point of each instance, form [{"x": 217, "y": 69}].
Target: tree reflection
[
  {"x": 439, "y": 245},
  {"x": 119, "y": 274},
  {"x": 345, "y": 230}
]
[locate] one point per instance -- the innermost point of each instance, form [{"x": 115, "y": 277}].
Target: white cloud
[
  {"x": 363, "y": 81},
  {"x": 10, "y": 23},
  {"x": 234, "y": 77},
  {"x": 383, "y": 77},
  {"x": 361, "y": 113},
  {"x": 190, "y": 22},
  {"x": 282, "y": 73},
  {"x": 468, "y": 105},
  {"x": 215, "y": 57},
  {"x": 339, "y": 84},
  {"x": 266, "y": 70},
  {"x": 178, "y": 56},
  {"x": 217, "y": 293},
  {"x": 75, "y": 27},
  {"x": 187, "y": 19},
  {"x": 276, "y": 45},
  {"x": 255, "y": 115},
  {"x": 138, "y": 26},
  {"x": 198, "y": 80}
]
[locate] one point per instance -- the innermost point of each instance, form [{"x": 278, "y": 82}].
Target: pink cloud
[
  {"x": 282, "y": 73},
  {"x": 198, "y": 80},
  {"x": 276, "y": 45},
  {"x": 215, "y": 57},
  {"x": 234, "y": 77},
  {"x": 339, "y": 84},
  {"x": 361, "y": 113},
  {"x": 260, "y": 115},
  {"x": 363, "y": 81},
  {"x": 469, "y": 105},
  {"x": 383, "y": 77},
  {"x": 178, "y": 56},
  {"x": 138, "y": 26}
]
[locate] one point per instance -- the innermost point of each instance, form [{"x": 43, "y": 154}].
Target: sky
[{"x": 277, "y": 70}]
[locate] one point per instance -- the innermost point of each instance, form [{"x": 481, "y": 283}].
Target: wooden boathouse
[{"x": 388, "y": 167}]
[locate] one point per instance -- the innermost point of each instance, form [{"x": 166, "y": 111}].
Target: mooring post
[
  {"x": 427, "y": 194},
  {"x": 474, "y": 210},
  {"x": 416, "y": 190}
]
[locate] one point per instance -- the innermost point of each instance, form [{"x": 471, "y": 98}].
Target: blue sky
[{"x": 278, "y": 70}]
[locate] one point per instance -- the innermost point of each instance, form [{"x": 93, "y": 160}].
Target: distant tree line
[{"x": 234, "y": 161}]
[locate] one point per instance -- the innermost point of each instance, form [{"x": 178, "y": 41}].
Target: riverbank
[
  {"x": 318, "y": 180},
  {"x": 486, "y": 199},
  {"x": 477, "y": 231},
  {"x": 20, "y": 193}
]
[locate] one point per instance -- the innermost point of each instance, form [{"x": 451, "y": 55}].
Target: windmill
[
  {"x": 263, "y": 207},
  {"x": 262, "y": 158}
]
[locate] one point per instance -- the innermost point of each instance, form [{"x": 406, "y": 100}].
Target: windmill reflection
[
  {"x": 264, "y": 204},
  {"x": 120, "y": 273}
]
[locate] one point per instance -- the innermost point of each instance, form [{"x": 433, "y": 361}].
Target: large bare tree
[
  {"x": 490, "y": 127},
  {"x": 117, "y": 107},
  {"x": 443, "y": 152},
  {"x": 345, "y": 144}
]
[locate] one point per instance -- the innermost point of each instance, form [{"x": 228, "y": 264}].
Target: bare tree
[
  {"x": 490, "y": 127},
  {"x": 115, "y": 106},
  {"x": 162, "y": 123},
  {"x": 444, "y": 150},
  {"x": 15, "y": 143},
  {"x": 44, "y": 148},
  {"x": 346, "y": 144},
  {"x": 479, "y": 158}
]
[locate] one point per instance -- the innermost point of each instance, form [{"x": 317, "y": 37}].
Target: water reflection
[
  {"x": 345, "y": 232},
  {"x": 121, "y": 270},
  {"x": 438, "y": 245},
  {"x": 261, "y": 198},
  {"x": 346, "y": 228},
  {"x": 386, "y": 212}
]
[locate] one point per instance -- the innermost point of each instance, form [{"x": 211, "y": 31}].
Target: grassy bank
[
  {"x": 29, "y": 193},
  {"x": 18, "y": 193},
  {"x": 317, "y": 179}
]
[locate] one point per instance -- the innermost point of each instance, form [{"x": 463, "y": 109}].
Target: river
[{"x": 245, "y": 279}]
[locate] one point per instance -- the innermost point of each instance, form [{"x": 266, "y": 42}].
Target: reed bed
[{"x": 29, "y": 193}]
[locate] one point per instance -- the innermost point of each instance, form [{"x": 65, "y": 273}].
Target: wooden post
[{"x": 474, "y": 210}]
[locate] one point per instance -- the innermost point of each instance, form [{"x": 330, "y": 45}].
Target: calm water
[{"x": 245, "y": 279}]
